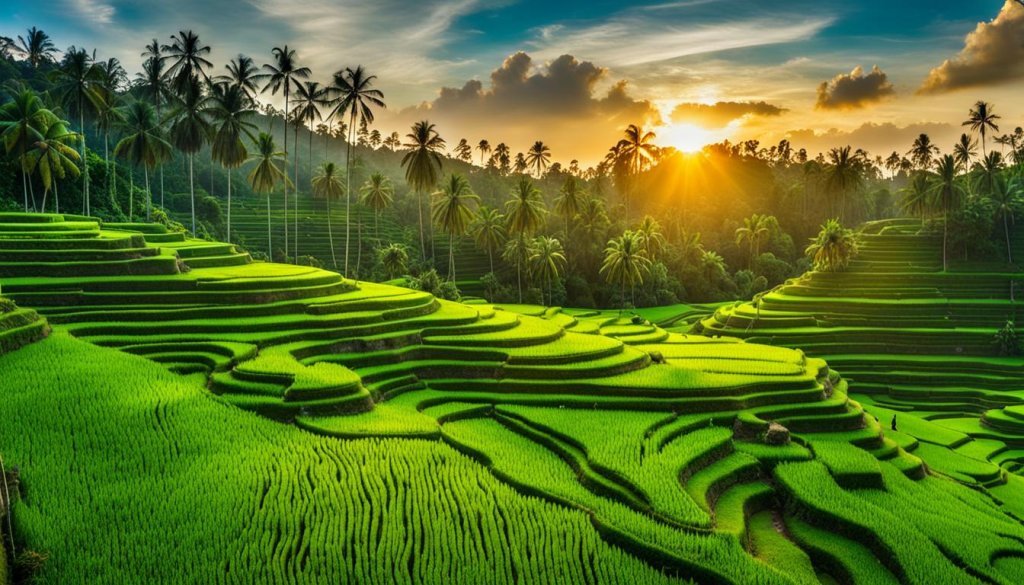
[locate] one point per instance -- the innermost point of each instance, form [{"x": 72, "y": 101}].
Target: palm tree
[
  {"x": 488, "y": 231},
  {"x": 394, "y": 259},
  {"x": 833, "y": 248},
  {"x": 485, "y": 148},
  {"x": 422, "y": 162},
  {"x": 153, "y": 84},
  {"x": 625, "y": 262},
  {"x": 754, "y": 232},
  {"x": 923, "y": 152},
  {"x": 517, "y": 252},
  {"x": 190, "y": 130},
  {"x": 393, "y": 141},
  {"x": 1007, "y": 200},
  {"x": 916, "y": 196},
  {"x": 538, "y": 157},
  {"x": 111, "y": 77},
  {"x": 77, "y": 83},
  {"x": 547, "y": 258},
  {"x": 377, "y": 194},
  {"x": 266, "y": 174},
  {"x": 637, "y": 150},
  {"x": 37, "y": 47},
  {"x": 23, "y": 120},
  {"x": 651, "y": 237},
  {"x": 309, "y": 98},
  {"x": 569, "y": 201},
  {"x": 843, "y": 175},
  {"x": 356, "y": 98},
  {"x": 981, "y": 119},
  {"x": 143, "y": 145},
  {"x": 964, "y": 151},
  {"x": 525, "y": 214},
  {"x": 452, "y": 211},
  {"x": 231, "y": 113},
  {"x": 54, "y": 158},
  {"x": 188, "y": 60},
  {"x": 946, "y": 194},
  {"x": 243, "y": 74},
  {"x": 989, "y": 173},
  {"x": 327, "y": 184},
  {"x": 283, "y": 75},
  {"x": 502, "y": 153},
  {"x": 713, "y": 265},
  {"x": 464, "y": 151}
]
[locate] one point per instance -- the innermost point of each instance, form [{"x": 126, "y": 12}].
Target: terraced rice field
[{"x": 276, "y": 423}]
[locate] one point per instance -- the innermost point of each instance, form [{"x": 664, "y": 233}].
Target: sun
[{"x": 686, "y": 138}]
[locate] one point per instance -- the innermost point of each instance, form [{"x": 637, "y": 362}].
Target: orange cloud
[{"x": 854, "y": 90}]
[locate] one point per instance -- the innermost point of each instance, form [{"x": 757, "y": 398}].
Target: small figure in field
[{"x": 894, "y": 422}]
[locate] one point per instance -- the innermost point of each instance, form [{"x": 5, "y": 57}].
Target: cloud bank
[
  {"x": 854, "y": 90},
  {"x": 993, "y": 54},
  {"x": 720, "y": 114}
]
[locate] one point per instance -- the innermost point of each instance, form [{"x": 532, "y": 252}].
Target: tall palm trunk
[
  {"x": 330, "y": 234},
  {"x": 1006, "y": 230},
  {"x": 451, "y": 257},
  {"x": 419, "y": 210},
  {"x": 229, "y": 205},
  {"x": 106, "y": 161},
  {"x": 56, "y": 196},
  {"x": 270, "y": 242},
  {"x": 490, "y": 258},
  {"x": 359, "y": 246},
  {"x": 131, "y": 196},
  {"x": 284, "y": 164},
  {"x": 192, "y": 192},
  {"x": 149, "y": 194},
  {"x": 160, "y": 122},
  {"x": 945, "y": 237},
  {"x": 85, "y": 161},
  {"x": 24, "y": 179},
  {"x": 348, "y": 184},
  {"x": 295, "y": 200}
]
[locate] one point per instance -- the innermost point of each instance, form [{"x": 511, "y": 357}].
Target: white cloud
[{"x": 95, "y": 11}]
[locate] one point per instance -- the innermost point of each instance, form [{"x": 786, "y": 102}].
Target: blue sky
[{"x": 668, "y": 51}]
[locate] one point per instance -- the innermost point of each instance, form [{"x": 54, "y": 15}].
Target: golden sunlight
[{"x": 687, "y": 137}]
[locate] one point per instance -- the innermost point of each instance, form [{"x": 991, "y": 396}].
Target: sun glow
[{"x": 687, "y": 137}]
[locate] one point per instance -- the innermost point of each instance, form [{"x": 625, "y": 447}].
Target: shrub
[{"x": 1008, "y": 340}]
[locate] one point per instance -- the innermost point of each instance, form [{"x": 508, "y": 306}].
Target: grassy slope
[{"x": 239, "y": 498}]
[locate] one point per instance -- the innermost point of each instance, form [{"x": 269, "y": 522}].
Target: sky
[{"x": 574, "y": 73}]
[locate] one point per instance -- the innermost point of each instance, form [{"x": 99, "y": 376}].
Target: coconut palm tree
[
  {"x": 843, "y": 175},
  {"x": 54, "y": 158},
  {"x": 464, "y": 151},
  {"x": 310, "y": 97},
  {"x": 637, "y": 150},
  {"x": 547, "y": 259},
  {"x": 981, "y": 119},
  {"x": 625, "y": 262},
  {"x": 712, "y": 264},
  {"x": 833, "y": 248},
  {"x": 37, "y": 47},
  {"x": 23, "y": 120},
  {"x": 503, "y": 153},
  {"x": 152, "y": 82},
  {"x": 394, "y": 258},
  {"x": 422, "y": 162},
  {"x": 283, "y": 75},
  {"x": 77, "y": 84},
  {"x": 111, "y": 78},
  {"x": 947, "y": 193},
  {"x": 452, "y": 211},
  {"x": 266, "y": 174},
  {"x": 231, "y": 112},
  {"x": 187, "y": 55},
  {"x": 754, "y": 232},
  {"x": 488, "y": 231},
  {"x": 1008, "y": 200},
  {"x": 966, "y": 148},
  {"x": 651, "y": 237},
  {"x": 538, "y": 157},
  {"x": 923, "y": 152},
  {"x": 393, "y": 142},
  {"x": 484, "y": 147},
  {"x": 517, "y": 253},
  {"x": 243, "y": 74},
  {"x": 377, "y": 194},
  {"x": 327, "y": 184},
  {"x": 143, "y": 145},
  {"x": 570, "y": 199},
  {"x": 525, "y": 215},
  {"x": 989, "y": 173},
  {"x": 356, "y": 98},
  {"x": 190, "y": 130},
  {"x": 916, "y": 196}
]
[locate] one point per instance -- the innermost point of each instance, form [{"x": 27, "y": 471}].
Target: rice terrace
[{"x": 457, "y": 292}]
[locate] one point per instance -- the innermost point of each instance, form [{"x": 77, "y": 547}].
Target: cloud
[
  {"x": 97, "y": 11},
  {"x": 561, "y": 102},
  {"x": 993, "y": 54},
  {"x": 877, "y": 139},
  {"x": 720, "y": 114},
  {"x": 644, "y": 36},
  {"x": 854, "y": 90}
]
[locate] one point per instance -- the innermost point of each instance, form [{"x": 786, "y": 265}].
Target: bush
[{"x": 1008, "y": 340}]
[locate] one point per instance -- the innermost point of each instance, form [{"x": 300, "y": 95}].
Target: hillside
[{"x": 443, "y": 442}]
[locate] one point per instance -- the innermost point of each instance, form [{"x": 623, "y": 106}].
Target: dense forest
[{"x": 183, "y": 140}]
